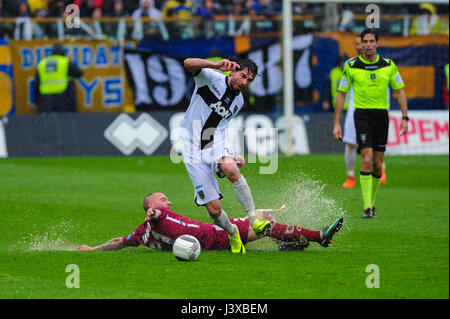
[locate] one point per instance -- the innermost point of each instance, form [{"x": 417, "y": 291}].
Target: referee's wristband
[{"x": 405, "y": 117}]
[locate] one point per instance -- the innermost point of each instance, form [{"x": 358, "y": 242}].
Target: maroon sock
[{"x": 292, "y": 233}]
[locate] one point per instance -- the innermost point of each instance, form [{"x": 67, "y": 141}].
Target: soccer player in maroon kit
[{"x": 162, "y": 226}]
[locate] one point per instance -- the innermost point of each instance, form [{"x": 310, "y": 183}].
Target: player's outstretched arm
[
  {"x": 193, "y": 65},
  {"x": 113, "y": 244}
]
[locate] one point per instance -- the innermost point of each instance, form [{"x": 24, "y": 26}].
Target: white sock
[
  {"x": 350, "y": 160},
  {"x": 224, "y": 222},
  {"x": 244, "y": 196}
]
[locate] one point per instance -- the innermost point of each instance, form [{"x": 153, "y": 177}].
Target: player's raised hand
[
  {"x": 337, "y": 133},
  {"x": 152, "y": 214},
  {"x": 227, "y": 65}
]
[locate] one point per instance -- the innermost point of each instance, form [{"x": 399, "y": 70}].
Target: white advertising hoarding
[{"x": 428, "y": 133}]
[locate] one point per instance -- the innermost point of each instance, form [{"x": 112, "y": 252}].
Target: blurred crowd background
[
  {"x": 200, "y": 8},
  {"x": 212, "y": 17}
]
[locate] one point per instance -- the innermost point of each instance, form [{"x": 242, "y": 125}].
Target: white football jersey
[{"x": 212, "y": 106}]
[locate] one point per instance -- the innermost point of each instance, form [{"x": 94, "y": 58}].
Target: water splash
[
  {"x": 307, "y": 204},
  {"x": 56, "y": 238}
]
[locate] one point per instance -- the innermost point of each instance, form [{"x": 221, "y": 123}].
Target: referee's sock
[
  {"x": 365, "y": 180},
  {"x": 376, "y": 181}
]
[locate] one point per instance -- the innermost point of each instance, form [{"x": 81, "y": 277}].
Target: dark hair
[
  {"x": 369, "y": 31},
  {"x": 249, "y": 64}
]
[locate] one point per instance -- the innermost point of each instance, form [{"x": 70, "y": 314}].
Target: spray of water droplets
[
  {"x": 55, "y": 238},
  {"x": 307, "y": 203}
]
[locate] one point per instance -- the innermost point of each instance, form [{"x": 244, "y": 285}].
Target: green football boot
[
  {"x": 236, "y": 245},
  {"x": 327, "y": 233},
  {"x": 260, "y": 226}
]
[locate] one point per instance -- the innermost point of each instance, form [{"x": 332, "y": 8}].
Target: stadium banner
[
  {"x": 158, "y": 80},
  {"x": 7, "y": 105},
  {"x": 102, "y": 88},
  {"x": 256, "y": 135},
  {"x": 315, "y": 55}
]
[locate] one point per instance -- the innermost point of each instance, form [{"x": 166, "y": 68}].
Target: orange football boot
[
  {"x": 349, "y": 183},
  {"x": 383, "y": 177}
]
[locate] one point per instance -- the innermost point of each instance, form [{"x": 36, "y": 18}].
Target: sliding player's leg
[{"x": 294, "y": 236}]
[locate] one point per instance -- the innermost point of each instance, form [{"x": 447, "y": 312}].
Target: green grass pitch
[{"x": 49, "y": 205}]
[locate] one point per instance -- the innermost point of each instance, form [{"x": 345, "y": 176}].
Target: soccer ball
[{"x": 186, "y": 248}]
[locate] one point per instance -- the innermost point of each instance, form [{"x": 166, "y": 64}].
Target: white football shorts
[{"x": 201, "y": 166}]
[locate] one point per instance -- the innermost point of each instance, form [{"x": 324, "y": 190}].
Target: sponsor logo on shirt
[{"x": 221, "y": 110}]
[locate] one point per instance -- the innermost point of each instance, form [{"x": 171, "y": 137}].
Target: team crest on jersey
[{"x": 373, "y": 76}]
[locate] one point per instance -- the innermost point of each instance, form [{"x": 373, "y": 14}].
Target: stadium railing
[{"x": 173, "y": 28}]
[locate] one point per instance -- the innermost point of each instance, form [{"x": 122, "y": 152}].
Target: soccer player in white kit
[
  {"x": 207, "y": 146},
  {"x": 349, "y": 137}
]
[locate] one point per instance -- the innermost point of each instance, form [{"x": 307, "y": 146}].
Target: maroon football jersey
[{"x": 162, "y": 233}]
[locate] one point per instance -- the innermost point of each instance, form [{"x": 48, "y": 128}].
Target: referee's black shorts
[{"x": 371, "y": 127}]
